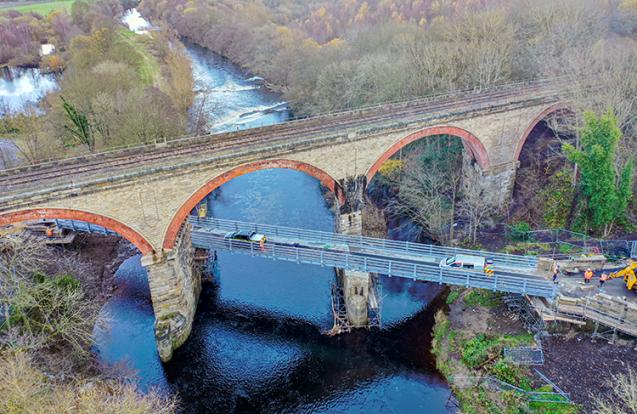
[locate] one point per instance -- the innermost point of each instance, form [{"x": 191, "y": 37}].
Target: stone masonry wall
[
  {"x": 175, "y": 285},
  {"x": 148, "y": 204}
]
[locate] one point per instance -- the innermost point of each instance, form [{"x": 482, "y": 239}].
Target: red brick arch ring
[
  {"x": 556, "y": 107},
  {"x": 470, "y": 142},
  {"x": 120, "y": 228},
  {"x": 180, "y": 216}
]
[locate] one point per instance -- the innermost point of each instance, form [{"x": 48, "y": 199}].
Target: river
[
  {"x": 20, "y": 88},
  {"x": 257, "y": 342}
]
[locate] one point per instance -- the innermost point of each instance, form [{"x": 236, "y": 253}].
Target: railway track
[{"x": 295, "y": 132}]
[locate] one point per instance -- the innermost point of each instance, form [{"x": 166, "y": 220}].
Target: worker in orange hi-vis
[
  {"x": 603, "y": 278},
  {"x": 588, "y": 275}
]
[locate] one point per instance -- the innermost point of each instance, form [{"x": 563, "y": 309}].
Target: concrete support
[
  {"x": 351, "y": 224},
  {"x": 175, "y": 284},
  {"x": 356, "y": 287}
]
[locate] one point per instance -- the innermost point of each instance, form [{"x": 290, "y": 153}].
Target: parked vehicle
[
  {"x": 246, "y": 235},
  {"x": 464, "y": 261}
]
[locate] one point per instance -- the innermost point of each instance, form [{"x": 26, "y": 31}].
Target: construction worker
[
  {"x": 603, "y": 278},
  {"x": 556, "y": 272},
  {"x": 49, "y": 231},
  {"x": 588, "y": 275}
]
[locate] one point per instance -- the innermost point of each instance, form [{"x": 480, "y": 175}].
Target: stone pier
[
  {"x": 175, "y": 284},
  {"x": 356, "y": 291},
  {"x": 351, "y": 223},
  {"x": 495, "y": 185},
  {"x": 359, "y": 292}
]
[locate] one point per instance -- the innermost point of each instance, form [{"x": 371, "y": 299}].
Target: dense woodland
[{"x": 332, "y": 55}]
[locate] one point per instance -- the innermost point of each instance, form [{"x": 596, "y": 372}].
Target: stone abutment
[{"x": 175, "y": 285}]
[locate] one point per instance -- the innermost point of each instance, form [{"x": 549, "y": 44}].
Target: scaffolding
[
  {"x": 532, "y": 321},
  {"x": 339, "y": 308},
  {"x": 339, "y": 311}
]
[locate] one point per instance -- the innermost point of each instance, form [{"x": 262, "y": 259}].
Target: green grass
[
  {"x": 552, "y": 407},
  {"x": 42, "y": 8},
  {"x": 452, "y": 297},
  {"x": 481, "y": 297},
  {"x": 149, "y": 69}
]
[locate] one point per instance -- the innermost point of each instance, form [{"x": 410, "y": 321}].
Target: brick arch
[
  {"x": 470, "y": 141},
  {"x": 556, "y": 107},
  {"x": 120, "y": 228},
  {"x": 180, "y": 216}
]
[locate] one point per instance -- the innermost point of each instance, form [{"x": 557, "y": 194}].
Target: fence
[
  {"x": 557, "y": 396},
  {"x": 562, "y": 242},
  {"x": 524, "y": 263},
  {"x": 400, "y": 267}
]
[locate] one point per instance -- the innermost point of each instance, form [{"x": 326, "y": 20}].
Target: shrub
[
  {"x": 509, "y": 373},
  {"x": 478, "y": 350},
  {"x": 557, "y": 199},
  {"x": 25, "y": 389},
  {"x": 481, "y": 297},
  {"x": 452, "y": 297},
  {"x": 519, "y": 231}
]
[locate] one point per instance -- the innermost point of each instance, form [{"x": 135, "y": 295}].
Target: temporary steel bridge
[
  {"x": 417, "y": 261},
  {"x": 513, "y": 273}
]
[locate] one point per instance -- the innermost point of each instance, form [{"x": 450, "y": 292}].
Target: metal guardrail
[
  {"x": 392, "y": 267},
  {"x": 524, "y": 263},
  {"x": 325, "y": 257},
  {"x": 633, "y": 251}
]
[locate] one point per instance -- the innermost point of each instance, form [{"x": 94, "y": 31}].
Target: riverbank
[
  {"x": 101, "y": 256},
  {"x": 470, "y": 335},
  {"x": 468, "y": 340}
]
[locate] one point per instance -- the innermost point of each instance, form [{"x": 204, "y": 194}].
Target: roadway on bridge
[{"x": 329, "y": 249}]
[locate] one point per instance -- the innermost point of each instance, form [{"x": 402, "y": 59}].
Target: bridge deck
[
  {"x": 514, "y": 274},
  {"x": 414, "y": 261}
]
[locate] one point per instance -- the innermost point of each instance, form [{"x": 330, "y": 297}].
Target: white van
[{"x": 464, "y": 261}]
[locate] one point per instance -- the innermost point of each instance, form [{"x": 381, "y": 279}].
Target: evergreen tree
[
  {"x": 81, "y": 128},
  {"x": 607, "y": 192}
]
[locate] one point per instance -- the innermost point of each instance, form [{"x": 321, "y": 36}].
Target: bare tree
[
  {"x": 476, "y": 205},
  {"x": 428, "y": 192}
]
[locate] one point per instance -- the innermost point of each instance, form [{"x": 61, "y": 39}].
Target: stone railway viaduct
[{"x": 146, "y": 193}]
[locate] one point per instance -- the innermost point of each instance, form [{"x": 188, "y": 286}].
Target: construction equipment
[{"x": 628, "y": 273}]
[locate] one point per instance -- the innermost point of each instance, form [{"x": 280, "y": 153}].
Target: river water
[
  {"x": 257, "y": 342},
  {"x": 21, "y": 87}
]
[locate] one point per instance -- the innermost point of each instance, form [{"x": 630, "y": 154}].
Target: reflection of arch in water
[
  {"x": 180, "y": 216},
  {"x": 120, "y": 228}
]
